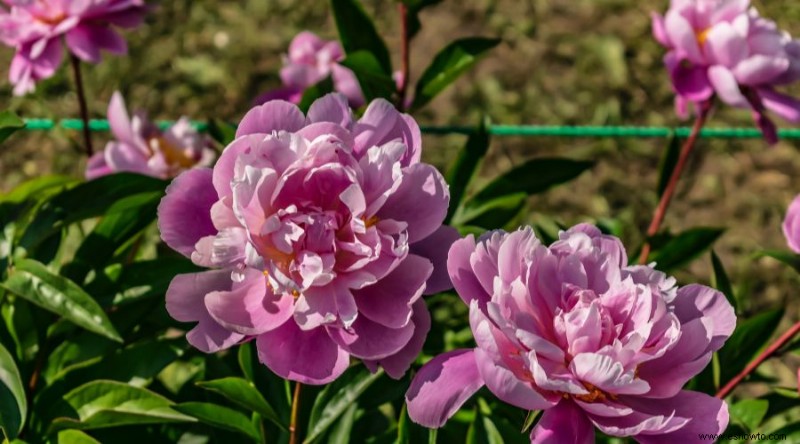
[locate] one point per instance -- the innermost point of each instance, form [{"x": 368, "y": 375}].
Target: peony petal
[
  {"x": 86, "y": 41},
  {"x": 97, "y": 166},
  {"x": 121, "y": 156},
  {"x": 119, "y": 120},
  {"x": 688, "y": 80},
  {"x": 188, "y": 198},
  {"x": 331, "y": 108},
  {"x": 785, "y": 106},
  {"x": 308, "y": 357},
  {"x": 507, "y": 386},
  {"x": 725, "y": 46},
  {"x": 682, "y": 36},
  {"x": 367, "y": 339},
  {"x": 435, "y": 248},
  {"x": 441, "y": 387},
  {"x": 276, "y": 115},
  {"x": 184, "y": 299},
  {"x": 724, "y": 83},
  {"x": 398, "y": 364},
  {"x": 659, "y": 29},
  {"x": 698, "y": 301},
  {"x": 760, "y": 69},
  {"x": 249, "y": 308},
  {"x": 563, "y": 424},
  {"x": 461, "y": 273},
  {"x": 705, "y": 413},
  {"x": 421, "y": 201},
  {"x": 389, "y": 301}
]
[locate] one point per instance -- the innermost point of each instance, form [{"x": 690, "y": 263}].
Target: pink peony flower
[
  {"x": 141, "y": 147},
  {"x": 35, "y": 27},
  {"x": 791, "y": 225},
  {"x": 324, "y": 233},
  {"x": 310, "y": 61},
  {"x": 725, "y": 47},
  {"x": 573, "y": 330}
]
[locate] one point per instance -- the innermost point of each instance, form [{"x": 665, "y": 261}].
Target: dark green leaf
[
  {"x": 13, "y": 403},
  {"x": 414, "y": 8},
  {"x": 721, "y": 281},
  {"x": 357, "y": 32},
  {"x": 9, "y": 124},
  {"x": 494, "y": 213},
  {"x": 315, "y": 92},
  {"x": 531, "y": 420},
  {"x": 221, "y": 131},
  {"x": 340, "y": 432},
  {"x": 684, "y": 247},
  {"x": 455, "y": 59},
  {"x": 101, "y": 404},
  {"x": 787, "y": 433},
  {"x": 374, "y": 82},
  {"x": 532, "y": 177},
  {"x": 337, "y": 397},
  {"x": 746, "y": 341},
  {"x": 466, "y": 164},
  {"x": 786, "y": 257},
  {"x": 749, "y": 413},
  {"x": 220, "y": 417},
  {"x": 75, "y": 437},
  {"x": 34, "y": 282},
  {"x": 668, "y": 162},
  {"x": 147, "y": 279},
  {"x": 245, "y": 394},
  {"x": 103, "y": 196},
  {"x": 483, "y": 431}
]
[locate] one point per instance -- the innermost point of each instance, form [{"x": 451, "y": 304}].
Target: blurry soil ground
[{"x": 562, "y": 62}]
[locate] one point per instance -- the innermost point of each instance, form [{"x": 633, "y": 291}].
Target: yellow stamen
[
  {"x": 702, "y": 36},
  {"x": 371, "y": 221},
  {"x": 173, "y": 154}
]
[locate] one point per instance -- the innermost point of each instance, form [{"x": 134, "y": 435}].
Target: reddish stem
[
  {"x": 294, "y": 415},
  {"x": 769, "y": 351},
  {"x": 669, "y": 191},
  {"x": 402, "y": 89},
  {"x": 87, "y": 135}
]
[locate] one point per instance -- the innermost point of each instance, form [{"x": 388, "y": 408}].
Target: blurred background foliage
[{"x": 582, "y": 62}]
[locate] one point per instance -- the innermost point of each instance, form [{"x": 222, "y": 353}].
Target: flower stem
[
  {"x": 769, "y": 351},
  {"x": 87, "y": 135},
  {"x": 295, "y": 410},
  {"x": 402, "y": 89},
  {"x": 669, "y": 191}
]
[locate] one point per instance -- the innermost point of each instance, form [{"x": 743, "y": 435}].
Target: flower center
[
  {"x": 702, "y": 36},
  {"x": 594, "y": 395},
  {"x": 173, "y": 155}
]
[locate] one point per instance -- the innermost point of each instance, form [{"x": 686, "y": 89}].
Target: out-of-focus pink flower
[
  {"x": 725, "y": 48},
  {"x": 791, "y": 225},
  {"x": 141, "y": 147},
  {"x": 325, "y": 233},
  {"x": 573, "y": 330},
  {"x": 311, "y": 60},
  {"x": 35, "y": 28}
]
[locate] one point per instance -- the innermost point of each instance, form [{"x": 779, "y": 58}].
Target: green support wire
[{"x": 496, "y": 130}]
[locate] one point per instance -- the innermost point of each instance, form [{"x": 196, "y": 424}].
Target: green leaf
[
  {"x": 747, "y": 340},
  {"x": 357, "y": 33},
  {"x": 533, "y": 418},
  {"x": 684, "y": 247},
  {"x": 532, "y": 177},
  {"x": 107, "y": 195},
  {"x": 414, "y": 8},
  {"x": 13, "y": 403},
  {"x": 34, "y": 282},
  {"x": 220, "y": 417},
  {"x": 483, "y": 431},
  {"x": 245, "y": 394},
  {"x": 9, "y": 124},
  {"x": 340, "y": 433},
  {"x": 147, "y": 279},
  {"x": 315, "y": 92},
  {"x": 749, "y": 413},
  {"x": 466, "y": 165},
  {"x": 221, "y": 131},
  {"x": 721, "y": 281},
  {"x": 75, "y": 437},
  {"x": 454, "y": 60},
  {"x": 374, "y": 82},
  {"x": 495, "y": 213},
  {"x": 101, "y": 404},
  {"x": 336, "y": 398},
  {"x": 668, "y": 162},
  {"x": 786, "y": 257}
]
